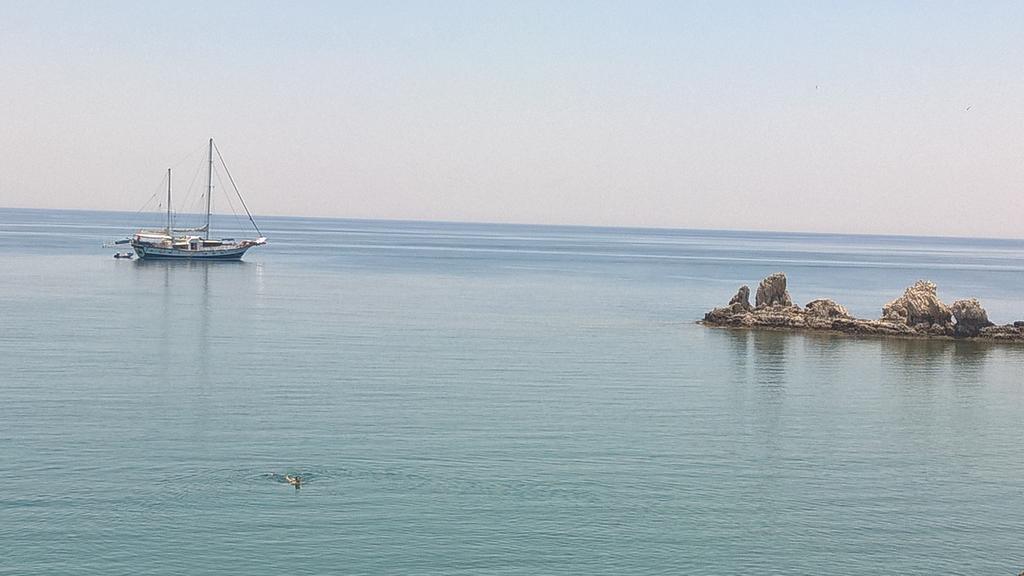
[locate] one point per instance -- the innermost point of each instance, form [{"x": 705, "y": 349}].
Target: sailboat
[{"x": 193, "y": 243}]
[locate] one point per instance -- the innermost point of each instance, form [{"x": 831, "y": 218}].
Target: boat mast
[
  {"x": 168, "y": 201},
  {"x": 209, "y": 190}
]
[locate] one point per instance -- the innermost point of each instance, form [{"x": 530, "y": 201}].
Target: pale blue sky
[{"x": 892, "y": 117}]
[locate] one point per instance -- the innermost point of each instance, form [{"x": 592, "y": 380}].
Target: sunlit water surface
[{"x": 485, "y": 399}]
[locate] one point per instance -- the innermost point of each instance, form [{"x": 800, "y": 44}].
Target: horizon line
[{"x": 550, "y": 225}]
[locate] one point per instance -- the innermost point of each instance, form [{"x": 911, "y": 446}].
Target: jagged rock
[
  {"x": 738, "y": 305},
  {"x": 742, "y": 299},
  {"x": 772, "y": 291},
  {"x": 780, "y": 316},
  {"x": 1005, "y": 332},
  {"x": 721, "y": 316},
  {"x": 970, "y": 317},
  {"x": 871, "y": 327},
  {"x": 969, "y": 311},
  {"x": 895, "y": 312},
  {"x": 918, "y": 304},
  {"x": 729, "y": 316},
  {"x": 825, "y": 308}
]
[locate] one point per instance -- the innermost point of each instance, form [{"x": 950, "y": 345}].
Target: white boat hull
[{"x": 150, "y": 252}]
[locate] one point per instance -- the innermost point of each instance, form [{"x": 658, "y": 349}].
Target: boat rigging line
[{"x": 239, "y": 194}]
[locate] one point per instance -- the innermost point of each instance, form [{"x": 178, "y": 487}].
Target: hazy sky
[{"x": 887, "y": 117}]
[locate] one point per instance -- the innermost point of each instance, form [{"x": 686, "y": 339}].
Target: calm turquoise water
[{"x": 483, "y": 399}]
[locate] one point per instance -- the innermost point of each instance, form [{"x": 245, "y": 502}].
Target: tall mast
[
  {"x": 209, "y": 190},
  {"x": 168, "y": 201}
]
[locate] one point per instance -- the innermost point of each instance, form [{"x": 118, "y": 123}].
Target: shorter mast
[{"x": 169, "y": 202}]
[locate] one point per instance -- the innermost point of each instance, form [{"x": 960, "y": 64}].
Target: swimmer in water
[{"x": 294, "y": 480}]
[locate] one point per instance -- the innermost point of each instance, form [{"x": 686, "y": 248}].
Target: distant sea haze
[{"x": 475, "y": 398}]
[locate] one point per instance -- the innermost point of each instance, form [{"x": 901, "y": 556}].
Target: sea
[{"x": 496, "y": 399}]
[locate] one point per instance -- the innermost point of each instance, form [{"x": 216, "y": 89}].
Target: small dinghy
[{"x": 127, "y": 255}]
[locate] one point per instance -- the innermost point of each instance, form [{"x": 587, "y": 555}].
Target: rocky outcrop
[
  {"x": 919, "y": 304},
  {"x": 772, "y": 291},
  {"x": 970, "y": 317},
  {"x": 917, "y": 313}
]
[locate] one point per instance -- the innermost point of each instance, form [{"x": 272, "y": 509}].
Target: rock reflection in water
[
  {"x": 770, "y": 358},
  {"x": 923, "y": 361}
]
